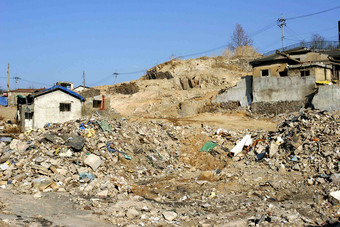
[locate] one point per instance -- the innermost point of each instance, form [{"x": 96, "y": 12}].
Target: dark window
[
  {"x": 97, "y": 103},
  {"x": 65, "y": 107},
  {"x": 29, "y": 116},
  {"x": 305, "y": 73},
  {"x": 265, "y": 72},
  {"x": 284, "y": 73}
]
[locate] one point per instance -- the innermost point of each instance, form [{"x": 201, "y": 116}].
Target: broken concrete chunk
[
  {"x": 273, "y": 149},
  {"x": 41, "y": 183},
  {"x": 93, "y": 161},
  {"x": 169, "y": 215},
  {"x": 76, "y": 142},
  {"x": 335, "y": 195},
  {"x": 18, "y": 145},
  {"x": 132, "y": 213}
]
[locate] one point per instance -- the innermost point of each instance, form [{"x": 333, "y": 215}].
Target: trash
[
  {"x": 294, "y": 159},
  {"x": 208, "y": 146},
  {"x": 110, "y": 146},
  {"x": 239, "y": 146},
  {"x": 4, "y": 166},
  {"x": 105, "y": 126},
  {"x": 93, "y": 161},
  {"x": 5, "y": 139},
  {"x": 86, "y": 176}
]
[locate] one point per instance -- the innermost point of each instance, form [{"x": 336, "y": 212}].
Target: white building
[{"x": 53, "y": 105}]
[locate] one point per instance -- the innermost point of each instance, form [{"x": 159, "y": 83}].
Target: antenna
[{"x": 282, "y": 23}]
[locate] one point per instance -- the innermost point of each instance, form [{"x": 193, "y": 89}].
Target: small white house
[{"x": 53, "y": 105}]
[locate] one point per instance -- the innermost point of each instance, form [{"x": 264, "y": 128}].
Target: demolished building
[{"x": 286, "y": 81}]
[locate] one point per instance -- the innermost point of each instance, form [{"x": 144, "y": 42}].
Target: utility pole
[
  {"x": 8, "y": 78},
  {"x": 116, "y": 75},
  {"x": 84, "y": 79},
  {"x": 16, "y": 81},
  {"x": 282, "y": 23}
]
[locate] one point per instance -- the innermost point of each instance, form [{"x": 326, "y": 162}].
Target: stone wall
[{"x": 277, "y": 107}]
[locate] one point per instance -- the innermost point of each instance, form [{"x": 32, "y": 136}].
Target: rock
[
  {"x": 335, "y": 178},
  {"x": 103, "y": 193},
  {"x": 93, "y": 161},
  {"x": 169, "y": 215},
  {"x": 132, "y": 213}
]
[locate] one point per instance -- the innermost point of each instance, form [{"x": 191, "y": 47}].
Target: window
[
  {"x": 265, "y": 72},
  {"x": 304, "y": 73},
  {"x": 65, "y": 107},
  {"x": 283, "y": 73},
  {"x": 28, "y": 116},
  {"x": 97, "y": 103}
]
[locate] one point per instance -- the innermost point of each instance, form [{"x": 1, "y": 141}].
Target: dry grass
[
  {"x": 242, "y": 51},
  {"x": 13, "y": 129}
]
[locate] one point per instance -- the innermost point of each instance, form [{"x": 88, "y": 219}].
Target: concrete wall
[
  {"x": 327, "y": 98},
  {"x": 237, "y": 93},
  {"x": 274, "y": 89},
  {"x": 46, "y": 108},
  {"x": 12, "y": 97}
]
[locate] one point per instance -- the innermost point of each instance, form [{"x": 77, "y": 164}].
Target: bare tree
[
  {"x": 317, "y": 41},
  {"x": 239, "y": 38}
]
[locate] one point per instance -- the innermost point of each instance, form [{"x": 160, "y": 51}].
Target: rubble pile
[
  {"x": 88, "y": 156},
  {"x": 308, "y": 141},
  {"x": 156, "y": 173}
]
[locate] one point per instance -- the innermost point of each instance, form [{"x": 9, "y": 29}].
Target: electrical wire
[{"x": 312, "y": 14}]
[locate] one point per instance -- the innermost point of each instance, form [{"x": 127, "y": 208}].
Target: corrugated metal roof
[{"x": 48, "y": 90}]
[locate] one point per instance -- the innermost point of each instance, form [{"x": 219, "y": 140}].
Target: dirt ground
[{"x": 8, "y": 113}]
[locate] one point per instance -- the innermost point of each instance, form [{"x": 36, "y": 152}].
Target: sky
[{"x": 56, "y": 40}]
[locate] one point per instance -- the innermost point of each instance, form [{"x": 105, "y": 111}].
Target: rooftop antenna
[
  {"x": 282, "y": 23},
  {"x": 116, "y": 75}
]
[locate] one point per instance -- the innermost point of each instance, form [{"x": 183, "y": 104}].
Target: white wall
[{"x": 46, "y": 108}]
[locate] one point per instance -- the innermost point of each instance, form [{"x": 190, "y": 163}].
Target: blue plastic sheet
[{"x": 3, "y": 101}]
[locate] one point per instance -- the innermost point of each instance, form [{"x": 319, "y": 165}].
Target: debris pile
[
  {"x": 88, "y": 156},
  {"x": 308, "y": 141},
  {"x": 146, "y": 174}
]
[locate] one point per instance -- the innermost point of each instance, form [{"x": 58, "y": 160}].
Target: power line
[{"x": 312, "y": 14}]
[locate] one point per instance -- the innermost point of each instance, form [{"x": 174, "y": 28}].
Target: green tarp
[{"x": 208, "y": 146}]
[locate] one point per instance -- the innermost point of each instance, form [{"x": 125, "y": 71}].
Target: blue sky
[{"x": 56, "y": 40}]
